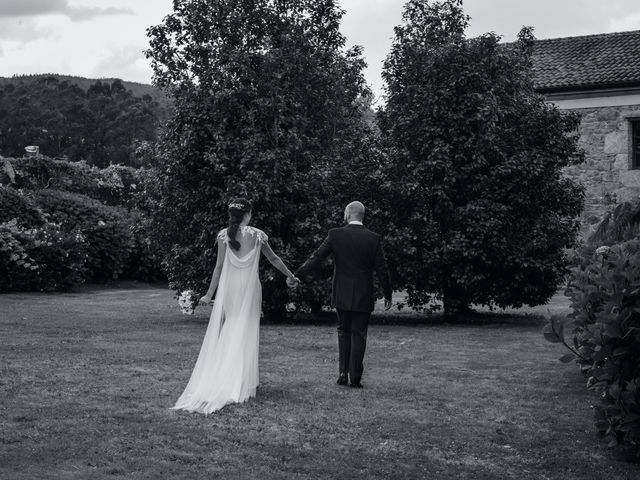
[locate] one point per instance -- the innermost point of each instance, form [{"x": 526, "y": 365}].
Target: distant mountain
[{"x": 138, "y": 89}]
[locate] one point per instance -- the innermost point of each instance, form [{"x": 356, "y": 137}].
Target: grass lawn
[{"x": 87, "y": 379}]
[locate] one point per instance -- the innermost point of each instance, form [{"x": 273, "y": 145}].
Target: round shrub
[
  {"x": 110, "y": 241},
  {"x": 71, "y": 209}
]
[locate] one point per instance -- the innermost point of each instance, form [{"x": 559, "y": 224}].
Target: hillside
[
  {"x": 101, "y": 121},
  {"x": 138, "y": 89}
]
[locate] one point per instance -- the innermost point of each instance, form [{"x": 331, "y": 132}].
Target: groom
[{"x": 357, "y": 252}]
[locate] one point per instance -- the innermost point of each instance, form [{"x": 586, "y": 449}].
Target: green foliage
[
  {"x": 137, "y": 89},
  {"x": 620, "y": 225},
  {"x": 114, "y": 184},
  {"x": 118, "y": 241},
  {"x": 102, "y": 125},
  {"x": 40, "y": 258},
  {"x": 268, "y": 105},
  {"x": 146, "y": 260},
  {"x": 80, "y": 240},
  {"x": 604, "y": 289},
  {"x": 478, "y": 206},
  {"x": 14, "y": 205},
  {"x": 110, "y": 241}
]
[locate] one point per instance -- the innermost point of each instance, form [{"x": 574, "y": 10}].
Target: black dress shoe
[
  {"x": 356, "y": 384},
  {"x": 342, "y": 379}
]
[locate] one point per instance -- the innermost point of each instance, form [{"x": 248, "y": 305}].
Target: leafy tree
[
  {"x": 36, "y": 114},
  {"x": 269, "y": 105},
  {"x": 480, "y": 210},
  {"x": 102, "y": 125}
]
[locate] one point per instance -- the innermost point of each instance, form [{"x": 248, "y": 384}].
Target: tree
[
  {"x": 103, "y": 125},
  {"x": 268, "y": 105},
  {"x": 480, "y": 210}
]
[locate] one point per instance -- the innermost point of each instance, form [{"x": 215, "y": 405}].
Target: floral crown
[{"x": 239, "y": 206}]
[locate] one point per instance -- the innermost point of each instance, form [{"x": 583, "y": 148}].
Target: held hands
[{"x": 293, "y": 282}]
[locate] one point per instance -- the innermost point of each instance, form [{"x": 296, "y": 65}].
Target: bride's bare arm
[
  {"x": 276, "y": 261},
  {"x": 215, "y": 278}
]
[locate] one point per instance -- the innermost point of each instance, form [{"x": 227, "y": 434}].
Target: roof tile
[{"x": 588, "y": 62}]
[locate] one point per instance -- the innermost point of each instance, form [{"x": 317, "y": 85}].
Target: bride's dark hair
[{"x": 237, "y": 209}]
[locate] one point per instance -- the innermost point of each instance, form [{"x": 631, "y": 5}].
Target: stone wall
[{"x": 605, "y": 136}]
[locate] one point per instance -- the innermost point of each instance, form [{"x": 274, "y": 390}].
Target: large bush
[
  {"x": 604, "y": 336},
  {"x": 36, "y": 254},
  {"x": 268, "y": 105},
  {"x": 15, "y": 205},
  {"x": 70, "y": 196},
  {"x": 115, "y": 184},
  {"x": 40, "y": 258},
  {"x": 478, "y": 206},
  {"x": 110, "y": 241},
  {"x": 619, "y": 225}
]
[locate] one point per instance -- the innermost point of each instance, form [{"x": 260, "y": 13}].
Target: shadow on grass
[{"x": 418, "y": 319}]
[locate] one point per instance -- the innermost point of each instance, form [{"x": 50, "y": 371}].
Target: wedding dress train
[{"x": 227, "y": 367}]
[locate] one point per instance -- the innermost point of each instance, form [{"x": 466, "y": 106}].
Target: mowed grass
[{"x": 87, "y": 380}]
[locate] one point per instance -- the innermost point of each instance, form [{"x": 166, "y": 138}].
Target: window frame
[{"x": 634, "y": 143}]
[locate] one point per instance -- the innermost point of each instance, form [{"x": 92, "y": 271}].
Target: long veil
[{"x": 227, "y": 366}]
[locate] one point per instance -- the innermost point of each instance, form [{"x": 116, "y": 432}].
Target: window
[{"x": 635, "y": 143}]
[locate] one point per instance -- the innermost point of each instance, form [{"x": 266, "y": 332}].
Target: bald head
[{"x": 354, "y": 211}]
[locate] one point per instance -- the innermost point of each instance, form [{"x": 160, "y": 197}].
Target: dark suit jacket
[{"x": 357, "y": 252}]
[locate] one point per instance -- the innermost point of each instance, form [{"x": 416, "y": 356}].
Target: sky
[{"x": 106, "y": 38}]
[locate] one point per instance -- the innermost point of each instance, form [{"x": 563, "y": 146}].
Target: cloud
[
  {"x": 22, "y": 29},
  {"x": 34, "y": 8},
  {"x": 627, "y": 22},
  {"x": 86, "y": 13},
  {"x": 127, "y": 62},
  {"x": 120, "y": 58}
]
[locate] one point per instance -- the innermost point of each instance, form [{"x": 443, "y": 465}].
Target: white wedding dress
[{"x": 227, "y": 367}]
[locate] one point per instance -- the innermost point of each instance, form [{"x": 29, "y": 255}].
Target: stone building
[{"x": 598, "y": 76}]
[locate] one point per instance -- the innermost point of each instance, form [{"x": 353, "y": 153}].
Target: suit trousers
[{"x": 352, "y": 341}]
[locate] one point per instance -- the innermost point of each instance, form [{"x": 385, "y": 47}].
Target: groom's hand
[
  {"x": 387, "y": 304},
  {"x": 293, "y": 282}
]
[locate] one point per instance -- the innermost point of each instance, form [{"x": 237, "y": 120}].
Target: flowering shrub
[
  {"x": 53, "y": 239},
  {"x": 113, "y": 184},
  {"x": 110, "y": 241},
  {"x": 40, "y": 258},
  {"x": 15, "y": 205},
  {"x": 71, "y": 196},
  {"x": 604, "y": 331}
]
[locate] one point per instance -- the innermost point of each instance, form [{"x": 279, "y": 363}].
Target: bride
[{"x": 227, "y": 367}]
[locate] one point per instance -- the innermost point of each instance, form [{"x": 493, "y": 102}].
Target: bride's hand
[
  {"x": 293, "y": 282},
  {"x": 206, "y": 300}
]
